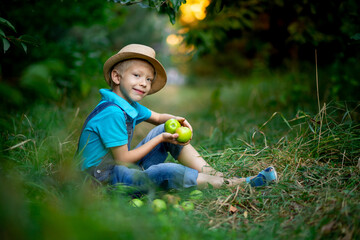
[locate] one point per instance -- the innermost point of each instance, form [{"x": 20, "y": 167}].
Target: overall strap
[{"x": 101, "y": 107}]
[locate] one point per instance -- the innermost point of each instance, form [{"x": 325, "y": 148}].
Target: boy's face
[{"x": 133, "y": 80}]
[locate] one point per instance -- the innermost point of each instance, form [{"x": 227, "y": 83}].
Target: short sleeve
[{"x": 143, "y": 113}]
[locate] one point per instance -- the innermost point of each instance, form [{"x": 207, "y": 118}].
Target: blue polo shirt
[{"x": 108, "y": 128}]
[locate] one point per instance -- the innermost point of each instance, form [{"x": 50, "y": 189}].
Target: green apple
[
  {"x": 171, "y": 125},
  {"x": 159, "y": 205},
  {"x": 196, "y": 194},
  {"x": 187, "y": 206},
  {"x": 177, "y": 207},
  {"x": 184, "y": 134},
  {"x": 171, "y": 198},
  {"x": 136, "y": 202}
]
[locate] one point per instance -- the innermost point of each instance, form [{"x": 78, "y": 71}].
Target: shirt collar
[{"x": 110, "y": 96}]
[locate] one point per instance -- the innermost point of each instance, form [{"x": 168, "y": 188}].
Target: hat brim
[{"x": 160, "y": 77}]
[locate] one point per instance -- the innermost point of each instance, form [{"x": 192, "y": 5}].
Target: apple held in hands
[
  {"x": 184, "y": 134},
  {"x": 171, "y": 125}
]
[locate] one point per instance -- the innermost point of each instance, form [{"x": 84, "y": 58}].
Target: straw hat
[{"x": 137, "y": 51}]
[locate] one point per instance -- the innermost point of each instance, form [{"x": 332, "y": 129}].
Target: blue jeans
[{"x": 152, "y": 170}]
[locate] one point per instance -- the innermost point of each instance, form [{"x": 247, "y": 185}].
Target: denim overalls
[{"x": 149, "y": 170}]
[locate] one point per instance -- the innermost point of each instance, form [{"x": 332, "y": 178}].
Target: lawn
[{"x": 239, "y": 128}]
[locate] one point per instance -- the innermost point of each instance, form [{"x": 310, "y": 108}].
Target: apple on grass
[
  {"x": 136, "y": 202},
  {"x": 187, "y": 206},
  {"x": 196, "y": 194},
  {"x": 159, "y": 205},
  {"x": 171, "y": 125}
]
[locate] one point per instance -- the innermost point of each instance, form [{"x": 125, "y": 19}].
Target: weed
[{"x": 317, "y": 157}]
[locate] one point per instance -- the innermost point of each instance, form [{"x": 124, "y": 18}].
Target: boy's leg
[
  {"x": 204, "y": 179},
  {"x": 192, "y": 159},
  {"x": 160, "y": 152},
  {"x": 172, "y": 176},
  {"x": 264, "y": 178},
  {"x": 207, "y": 175},
  {"x": 166, "y": 176}
]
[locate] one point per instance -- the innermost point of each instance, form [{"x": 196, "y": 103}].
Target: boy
[{"x": 104, "y": 144}]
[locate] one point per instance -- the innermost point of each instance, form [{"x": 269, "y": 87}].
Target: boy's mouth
[{"x": 139, "y": 91}]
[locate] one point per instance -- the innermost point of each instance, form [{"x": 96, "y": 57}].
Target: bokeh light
[
  {"x": 193, "y": 10},
  {"x": 174, "y": 39}
]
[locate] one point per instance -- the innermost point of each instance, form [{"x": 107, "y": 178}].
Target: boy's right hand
[{"x": 171, "y": 138}]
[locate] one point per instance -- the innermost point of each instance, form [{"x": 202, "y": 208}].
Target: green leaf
[
  {"x": 6, "y": 44},
  {"x": 356, "y": 36},
  {"x": 29, "y": 40},
  {"x": 172, "y": 15},
  {"x": 176, "y": 4},
  {"x": 2, "y": 33},
  {"x": 127, "y": 2},
  {"x": 216, "y": 6},
  {"x": 24, "y": 47},
  {"x": 7, "y": 23},
  {"x": 157, "y": 4}
]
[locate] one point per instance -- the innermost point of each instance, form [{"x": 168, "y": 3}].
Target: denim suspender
[{"x": 98, "y": 109}]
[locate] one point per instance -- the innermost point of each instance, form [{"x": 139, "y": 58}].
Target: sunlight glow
[
  {"x": 174, "y": 39},
  {"x": 193, "y": 10}
]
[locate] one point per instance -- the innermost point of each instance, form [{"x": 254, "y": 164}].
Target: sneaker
[{"x": 264, "y": 178}]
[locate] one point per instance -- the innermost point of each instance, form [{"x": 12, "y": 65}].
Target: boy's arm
[
  {"x": 159, "y": 118},
  {"x": 122, "y": 155}
]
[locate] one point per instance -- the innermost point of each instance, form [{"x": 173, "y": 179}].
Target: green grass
[{"x": 240, "y": 128}]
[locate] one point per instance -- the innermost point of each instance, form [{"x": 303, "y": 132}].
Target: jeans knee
[
  {"x": 128, "y": 176},
  {"x": 172, "y": 175}
]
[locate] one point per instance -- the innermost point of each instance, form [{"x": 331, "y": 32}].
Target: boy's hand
[
  {"x": 184, "y": 122},
  {"x": 171, "y": 138}
]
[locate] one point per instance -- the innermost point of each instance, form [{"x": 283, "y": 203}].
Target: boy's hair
[{"x": 124, "y": 65}]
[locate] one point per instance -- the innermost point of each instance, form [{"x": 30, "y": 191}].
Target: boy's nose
[{"x": 143, "y": 82}]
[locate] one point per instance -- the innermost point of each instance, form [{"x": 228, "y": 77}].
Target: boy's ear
[{"x": 115, "y": 77}]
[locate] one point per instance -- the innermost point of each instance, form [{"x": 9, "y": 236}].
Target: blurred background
[{"x": 54, "y": 52}]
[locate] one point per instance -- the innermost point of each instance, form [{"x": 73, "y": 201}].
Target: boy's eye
[{"x": 136, "y": 75}]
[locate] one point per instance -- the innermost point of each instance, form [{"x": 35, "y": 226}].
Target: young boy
[{"x": 104, "y": 144}]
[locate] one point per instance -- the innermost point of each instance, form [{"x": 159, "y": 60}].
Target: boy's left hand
[
  {"x": 184, "y": 122},
  {"x": 171, "y": 138}
]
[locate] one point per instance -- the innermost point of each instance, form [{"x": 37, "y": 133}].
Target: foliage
[
  {"x": 169, "y": 7},
  {"x": 51, "y": 25},
  {"x": 236, "y": 38},
  {"x": 241, "y": 37},
  {"x": 23, "y": 41},
  {"x": 73, "y": 42},
  {"x": 43, "y": 195},
  {"x": 280, "y": 23}
]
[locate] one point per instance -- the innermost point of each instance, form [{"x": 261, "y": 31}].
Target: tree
[{"x": 240, "y": 36}]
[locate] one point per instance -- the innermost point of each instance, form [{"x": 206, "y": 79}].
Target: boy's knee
[
  {"x": 157, "y": 130},
  {"x": 173, "y": 175},
  {"x": 128, "y": 176}
]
